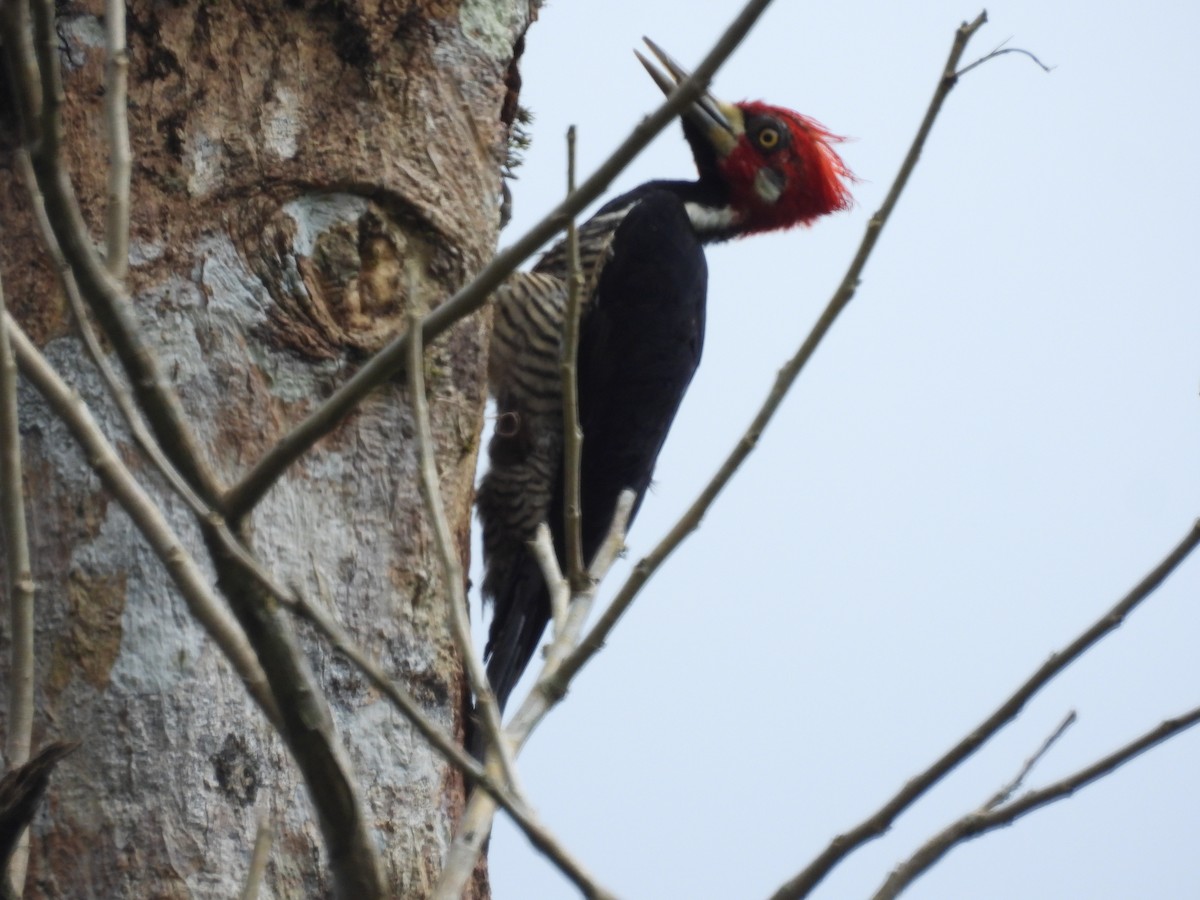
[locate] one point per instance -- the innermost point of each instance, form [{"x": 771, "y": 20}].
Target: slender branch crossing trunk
[{"x": 290, "y": 160}]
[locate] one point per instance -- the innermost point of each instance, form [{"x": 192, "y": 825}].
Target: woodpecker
[{"x": 761, "y": 168}]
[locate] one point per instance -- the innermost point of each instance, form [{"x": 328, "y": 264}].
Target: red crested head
[
  {"x": 765, "y": 167},
  {"x": 781, "y": 168}
]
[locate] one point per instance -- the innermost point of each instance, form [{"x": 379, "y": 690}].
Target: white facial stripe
[
  {"x": 768, "y": 184},
  {"x": 710, "y": 219}
]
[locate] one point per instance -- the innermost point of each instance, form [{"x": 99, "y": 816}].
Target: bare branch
[
  {"x": 20, "y": 584},
  {"x": 258, "y": 859},
  {"x": 542, "y": 548},
  {"x": 524, "y": 817},
  {"x": 388, "y": 362},
  {"x": 35, "y": 67},
  {"x": 786, "y": 377},
  {"x": 305, "y": 724},
  {"x": 282, "y": 684},
  {"x": 881, "y": 821},
  {"x": 1013, "y": 786},
  {"x": 1033, "y": 800},
  {"x": 46, "y": 50},
  {"x": 452, "y": 571},
  {"x": 1000, "y": 51},
  {"x": 553, "y": 681},
  {"x": 990, "y": 818},
  {"x": 214, "y": 525},
  {"x": 116, "y": 77},
  {"x": 476, "y": 823},
  {"x": 148, "y": 518},
  {"x": 572, "y": 433},
  {"x": 295, "y": 703}
]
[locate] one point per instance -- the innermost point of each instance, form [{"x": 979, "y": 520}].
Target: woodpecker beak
[{"x": 720, "y": 123}]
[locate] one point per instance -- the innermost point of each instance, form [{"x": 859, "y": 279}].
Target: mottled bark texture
[{"x": 290, "y": 159}]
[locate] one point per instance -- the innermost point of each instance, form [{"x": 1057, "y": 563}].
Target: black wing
[{"x": 639, "y": 346}]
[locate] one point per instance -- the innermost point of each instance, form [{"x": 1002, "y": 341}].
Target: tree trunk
[{"x": 291, "y": 161}]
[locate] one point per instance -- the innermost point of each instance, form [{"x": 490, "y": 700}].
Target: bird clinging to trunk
[{"x": 761, "y": 168}]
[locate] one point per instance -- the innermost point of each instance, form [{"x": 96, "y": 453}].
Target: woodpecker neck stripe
[{"x": 711, "y": 221}]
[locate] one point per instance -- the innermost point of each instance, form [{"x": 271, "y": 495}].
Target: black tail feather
[
  {"x": 522, "y": 611},
  {"x": 515, "y": 635}
]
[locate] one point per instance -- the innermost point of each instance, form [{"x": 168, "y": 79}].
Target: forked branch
[
  {"x": 476, "y": 822},
  {"x": 843, "y": 845},
  {"x": 991, "y": 817},
  {"x": 541, "y": 837}
]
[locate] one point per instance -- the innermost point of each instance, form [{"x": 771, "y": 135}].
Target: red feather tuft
[{"x": 816, "y": 180}]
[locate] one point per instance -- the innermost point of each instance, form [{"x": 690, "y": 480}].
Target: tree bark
[{"x": 290, "y": 161}]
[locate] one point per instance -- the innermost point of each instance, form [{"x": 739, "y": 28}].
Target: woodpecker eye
[{"x": 768, "y": 138}]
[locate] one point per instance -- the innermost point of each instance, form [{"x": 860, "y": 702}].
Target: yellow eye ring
[{"x": 768, "y": 139}]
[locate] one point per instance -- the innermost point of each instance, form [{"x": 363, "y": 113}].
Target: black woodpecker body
[{"x": 641, "y": 332}]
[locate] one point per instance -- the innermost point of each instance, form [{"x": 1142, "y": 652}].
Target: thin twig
[
  {"x": 35, "y": 67},
  {"x": 452, "y": 571},
  {"x": 1002, "y": 795},
  {"x": 572, "y": 433},
  {"x": 212, "y": 522},
  {"x": 542, "y": 548},
  {"x": 297, "y": 709},
  {"x": 524, "y": 817},
  {"x": 124, "y": 400},
  {"x": 146, "y": 515},
  {"x": 803, "y": 883},
  {"x": 258, "y": 859},
  {"x": 20, "y": 584},
  {"x": 1000, "y": 51},
  {"x": 552, "y": 683},
  {"x": 786, "y": 377},
  {"x": 387, "y": 363},
  {"x": 295, "y": 701},
  {"x": 116, "y": 76},
  {"x": 988, "y": 819},
  {"x": 476, "y": 822},
  {"x": 1033, "y": 800},
  {"x": 306, "y": 726}
]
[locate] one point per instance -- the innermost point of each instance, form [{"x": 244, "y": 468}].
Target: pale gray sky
[{"x": 998, "y": 439}]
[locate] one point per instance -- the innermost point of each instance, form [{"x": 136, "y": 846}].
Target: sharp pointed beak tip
[
  {"x": 674, "y": 74},
  {"x": 664, "y": 82},
  {"x": 720, "y": 121}
]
